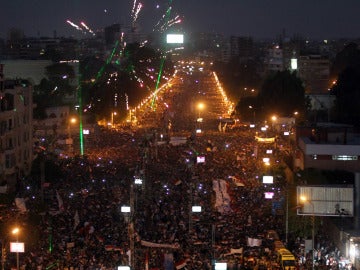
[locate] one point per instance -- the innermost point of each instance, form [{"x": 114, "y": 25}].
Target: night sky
[{"x": 314, "y": 19}]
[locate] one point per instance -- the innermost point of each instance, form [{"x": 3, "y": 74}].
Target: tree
[
  {"x": 347, "y": 87},
  {"x": 348, "y": 57},
  {"x": 247, "y": 109},
  {"x": 282, "y": 93},
  {"x": 347, "y": 92},
  {"x": 238, "y": 75}
]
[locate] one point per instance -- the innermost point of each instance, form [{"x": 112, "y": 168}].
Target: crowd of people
[
  {"x": 87, "y": 229},
  {"x": 76, "y": 220}
]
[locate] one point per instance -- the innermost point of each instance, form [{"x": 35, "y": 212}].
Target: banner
[
  {"x": 236, "y": 250},
  {"x": 158, "y": 245},
  {"x": 181, "y": 264},
  {"x": 222, "y": 197},
  {"x": 253, "y": 242},
  {"x": 60, "y": 201},
  {"x": 20, "y": 204}
]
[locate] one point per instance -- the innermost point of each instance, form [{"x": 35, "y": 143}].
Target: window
[
  {"x": 344, "y": 157},
  {"x": 9, "y": 161},
  {"x": 10, "y": 125},
  {"x": 10, "y": 143}
]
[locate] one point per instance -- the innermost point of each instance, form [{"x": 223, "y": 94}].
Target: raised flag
[
  {"x": 60, "y": 201},
  {"x": 181, "y": 264}
]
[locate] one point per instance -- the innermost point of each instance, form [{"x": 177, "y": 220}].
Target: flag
[
  {"x": 253, "y": 242},
  {"x": 236, "y": 250},
  {"x": 46, "y": 185},
  {"x": 20, "y": 204},
  {"x": 177, "y": 182},
  {"x": 168, "y": 261},
  {"x": 181, "y": 264},
  {"x": 60, "y": 201},
  {"x": 109, "y": 247},
  {"x": 76, "y": 219},
  {"x": 224, "y": 127}
]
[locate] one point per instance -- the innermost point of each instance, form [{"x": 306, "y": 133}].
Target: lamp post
[
  {"x": 200, "y": 107},
  {"x": 3, "y": 256},
  {"x": 71, "y": 122},
  {"x": 253, "y": 109},
  {"x": 273, "y": 120},
  {"x": 112, "y": 119},
  {"x": 16, "y": 231},
  {"x": 304, "y": 199},
  {"x": 128, "y": 213}
]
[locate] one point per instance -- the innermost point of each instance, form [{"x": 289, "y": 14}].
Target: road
[{"x": 191, "y": 100}]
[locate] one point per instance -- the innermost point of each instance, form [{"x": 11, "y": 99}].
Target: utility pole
[
  {"x": 3, "y": 255},
  {"x": 131, "y": 227},
  {"x": 42, "y": 174}
]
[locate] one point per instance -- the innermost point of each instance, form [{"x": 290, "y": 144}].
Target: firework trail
[
  {"x": 137, "y": 11},
  {"x": 74, "y": 25},
  {"x": 87, "y": 28},
  {"x": 133, "y": 9},
  {"x": 170, "y": 23},
  {"x": 167, "y": 16},
  {"x": 162, "y": 18}
]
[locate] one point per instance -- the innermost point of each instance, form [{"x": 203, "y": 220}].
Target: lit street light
[
  {"x": 200, "y": 107},
  {"x": 304, "y": 199},
  {"x": 72, "y": 121},
  {"x": 16, "y": 231},
  {"x": 112, "y": 119},
  {"x": 273, "y": 120},
  {"x": 253, "y": 109}
]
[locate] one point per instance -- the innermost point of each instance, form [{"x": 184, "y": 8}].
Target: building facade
[
  {"x": 274, "y": 60},
  {"x": 334, "y": 147},
  {"x": 16, "y": 129},
  {"x": 314, "y": 70}
]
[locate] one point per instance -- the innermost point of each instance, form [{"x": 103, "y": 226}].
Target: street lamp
[
  {"x": 72, "y": 121},
  {"x": 16, "y": 231},
  {"x": 112, "y": 119},
  {"x": 253, "y": 109},
  {"x": 273, "y": 120},
  {"x": 304, "y": 199},
  {"x": 200, "y": 107}
]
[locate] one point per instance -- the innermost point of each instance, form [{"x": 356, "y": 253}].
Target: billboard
[
  {"x": 268, "y": 179},
  {"x": 17, "y": 247},
  {"x": 196, "y": 209},
  {"x": 269, "y": 195},
  {"x": 220, "y": 266},
  {"x": 200, "y": 159},
  {"x": 325, "y": 200},
  {"x": 125, "y": 209},
  {"x": 174, "y": 39}
]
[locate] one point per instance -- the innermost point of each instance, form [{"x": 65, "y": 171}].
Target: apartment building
[{"x": 16, "y": 128}]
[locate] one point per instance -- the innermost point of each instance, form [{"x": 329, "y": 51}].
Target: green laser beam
[{"x": 167, "y": 16}]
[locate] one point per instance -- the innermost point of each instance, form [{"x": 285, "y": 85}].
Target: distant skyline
[{"x": 313, "y": 19}]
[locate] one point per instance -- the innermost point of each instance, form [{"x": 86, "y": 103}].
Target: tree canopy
[
  {"x": 347, "y": 87},
  {"x": 282, "y": 93},
  {"x": 347, "y": 92}
]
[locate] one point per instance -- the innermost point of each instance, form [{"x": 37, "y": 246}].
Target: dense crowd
[
  {"x": 88, "y": 230},
  {"x": 75, "y": 220}
]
